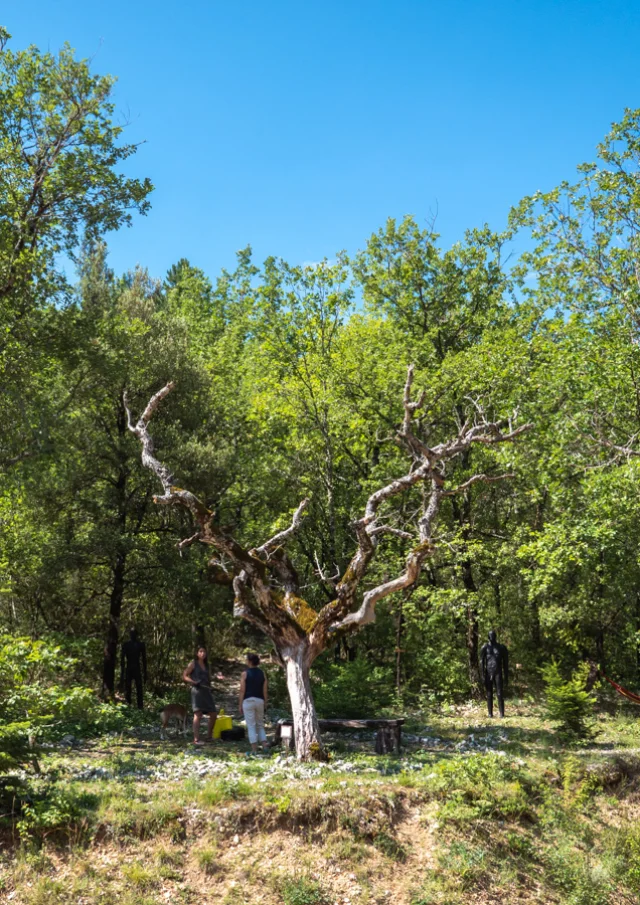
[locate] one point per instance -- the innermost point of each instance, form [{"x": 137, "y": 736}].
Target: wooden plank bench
[{"x": 389, "y": 737}]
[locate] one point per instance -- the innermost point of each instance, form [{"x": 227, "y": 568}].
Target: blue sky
[{"x": 300, "y": 127}]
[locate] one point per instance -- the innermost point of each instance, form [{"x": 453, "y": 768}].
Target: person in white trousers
[{"x": 253, "y": 700}]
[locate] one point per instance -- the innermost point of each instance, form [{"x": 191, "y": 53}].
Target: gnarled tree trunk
[
  {"x": 265, "y": 580},
  {"x": 303, "y": 710}
]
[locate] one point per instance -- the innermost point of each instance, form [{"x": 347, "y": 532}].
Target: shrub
[
  {"x": 40, "y": 700},
  {"x": 482, "y": 787},
  {"x": 569, "y": 704},
  {"x": 580, "y": 879},
  {"x": 355, "y": 689},
  {"x": 60, "y": 809},
  {"x": 15, "y": 747}
]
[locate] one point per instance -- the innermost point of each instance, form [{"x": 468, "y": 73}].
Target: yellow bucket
[{"x": 222, "y": 722}]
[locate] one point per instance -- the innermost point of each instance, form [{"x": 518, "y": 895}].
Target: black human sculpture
[
  {"x": 133, "y": 667},
  {"x": 494, "y": 666}
]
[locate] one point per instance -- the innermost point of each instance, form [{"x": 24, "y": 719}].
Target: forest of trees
[{"x": 289, "y": 383}]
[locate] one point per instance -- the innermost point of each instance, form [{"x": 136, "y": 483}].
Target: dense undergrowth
[{"x": 478, "y": 812}]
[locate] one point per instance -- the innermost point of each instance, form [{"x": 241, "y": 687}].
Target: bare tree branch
[
  {"x": 189, "y": 540},
  {"x": 429, "y": 466},
  {"x": 260, "y": 606},
  {"x": 327, "y": 579},
  {"x": 171, "y": 494},
  {"x": 487, "y": 479},
  {"x": 387, "y": 529},
  {"x": 282, "y": 537},
  {"x": 601, "y": 439}
]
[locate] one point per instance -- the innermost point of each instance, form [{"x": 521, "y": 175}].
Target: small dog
[{"x": 173, "y": 712}]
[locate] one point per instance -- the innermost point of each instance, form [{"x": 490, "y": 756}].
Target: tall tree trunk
[
  {"x": 601, "y": 590},
  {"x": 462, "y": 514},
  {"x": 536, "y": 631},
  {"x": 303, "y": 708},
  {"x": 498, "y": 598},
  {"x": 113, "y": 630},
  {"x": 473, "y": 632},
  {"x": 638, "y": 633},
  {"x": 198, "y": 636},
  {"x": 119, "y": 568},
  {"x": 600, "y": 649},
  {"x": 399, "y": 626},
  {"x": 538, "y": 525},
  {"x": 331, "y": 501}
]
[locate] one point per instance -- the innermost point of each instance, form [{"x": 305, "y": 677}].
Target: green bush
[
  {"x": 352, "y": 690},
  {"x": 485, "y": 786},
  {"x": 624, "y": 848},
  {"x": 568, "y": 702},
  {"x": 15, "y": 747},
  {"x": 60, "y": 808},
  {"x": 41, "y": 700},
  {"x": 577, "y": 875}
]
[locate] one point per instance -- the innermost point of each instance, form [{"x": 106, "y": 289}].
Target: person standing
[
  {"x": 197, "y": 675},
  {"x": 253, "y": 700},
  {"x": 133, "y": 667},
  {"x": 494, "y": 665}
]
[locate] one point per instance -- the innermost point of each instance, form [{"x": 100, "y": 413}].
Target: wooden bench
[{"x": 388, "y": 738}]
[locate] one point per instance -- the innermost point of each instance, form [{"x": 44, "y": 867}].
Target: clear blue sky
[{"x": 300, "y": 127}]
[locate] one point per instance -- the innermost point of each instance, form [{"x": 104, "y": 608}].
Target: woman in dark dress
[{"x": 197, "y": 675}]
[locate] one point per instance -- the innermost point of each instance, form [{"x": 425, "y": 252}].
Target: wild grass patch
[
  {"x": 140, "y": 818},
  {"x": 343, "y": 847},
  {"x": 169, "y": 857},
  {"x": 140, "y": 876},
  {"x": 467, "y": 862},
  {"x": 207, "y": 859},
  {"x": 390, "y": 846},
  {"x": 303, "y": 890},
  {"x": 219, "y": 790}
]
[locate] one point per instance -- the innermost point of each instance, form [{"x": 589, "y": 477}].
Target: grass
[
  {"x": 302, "y": 890},
  {"x": 488, "y": 812},
  {"x": 207, "y": 860},
  {"x": 139, "y": 876}
]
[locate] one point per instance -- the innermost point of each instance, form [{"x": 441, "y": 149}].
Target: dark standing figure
[
  {"x": 133, "y": 667},
  {"x": 494, "y": 666}
]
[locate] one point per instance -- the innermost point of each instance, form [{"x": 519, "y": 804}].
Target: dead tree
[{"x": 265, "y": 581}]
